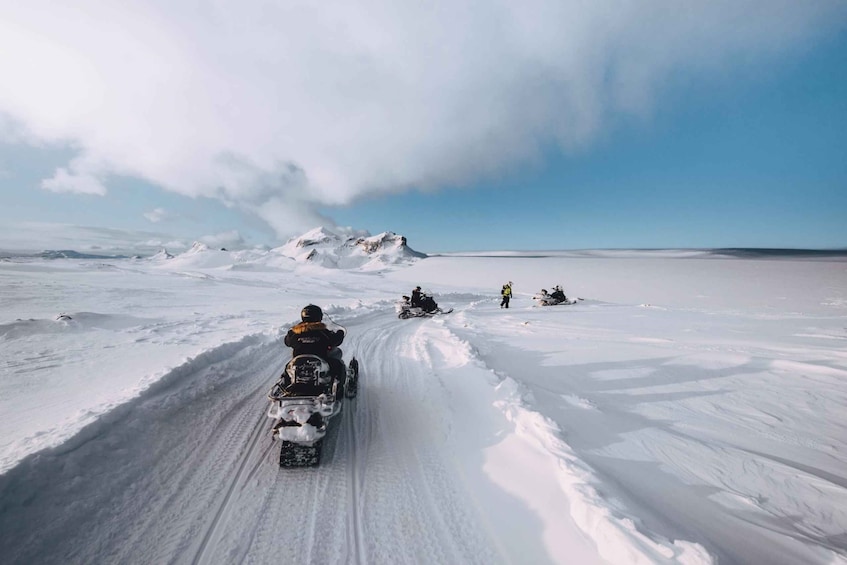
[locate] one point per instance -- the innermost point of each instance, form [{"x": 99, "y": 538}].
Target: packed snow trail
[{"x": 187, "y": 472}]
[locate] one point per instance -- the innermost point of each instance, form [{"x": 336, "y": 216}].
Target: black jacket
[{"x": 313, "y": 338}]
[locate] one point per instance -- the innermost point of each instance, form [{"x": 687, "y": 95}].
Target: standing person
[{"x": 506, "y": 293}]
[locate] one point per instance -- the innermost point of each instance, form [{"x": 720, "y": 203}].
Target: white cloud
[
  {"x": 65, "y": 181},
  {"x": 157, "y": 215},
  {"x": 225, "y": 239},
  {"x": 37, "y": 236},
  {"x": 277, "y": 107},
  {"x": 174, "y": 244}
]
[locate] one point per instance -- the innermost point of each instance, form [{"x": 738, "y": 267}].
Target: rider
[
  {"x": 416, "y": 297},
  {"x": 558, "y": 293},
  {"x": 311, "y": 336}
]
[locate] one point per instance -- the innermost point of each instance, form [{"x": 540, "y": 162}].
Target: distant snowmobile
[
  {"x": 554, "y": 298},
  {"x": 303, "y": 402},
  {"x": 426, "y": 307}
]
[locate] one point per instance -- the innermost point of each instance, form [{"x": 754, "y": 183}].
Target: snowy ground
[{"x": 692, "y": 408}]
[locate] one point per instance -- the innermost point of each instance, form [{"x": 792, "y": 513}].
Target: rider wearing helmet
[
  {"x": 558, "y": 294},
  {"x": 416, "y": 297},
  {"x": 312, "y": 336}
]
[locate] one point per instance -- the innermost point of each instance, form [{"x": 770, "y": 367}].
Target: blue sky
[
  {"x": 753, "y": 160},
  {"x": 125, "y": 206},
  {"x": 699, "y": 129}
]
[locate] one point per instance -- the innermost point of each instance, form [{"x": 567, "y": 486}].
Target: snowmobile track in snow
[
  {"x": 235, "y": 482},
  {"x": 355, "y": 535}
]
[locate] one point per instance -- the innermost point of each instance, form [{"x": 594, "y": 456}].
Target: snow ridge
[{"x": 617, "y": 537}]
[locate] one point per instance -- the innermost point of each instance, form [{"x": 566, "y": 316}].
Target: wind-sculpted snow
[
  {"x": 537, "y": 442},
  {"x": 719, "y": 441},
  {"x": 686, "y": 411}
]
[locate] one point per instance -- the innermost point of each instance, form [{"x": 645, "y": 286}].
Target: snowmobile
[
  {"x": 554, "y": 298},
  {"x": 426, "y": 307},
  {"x": 303, "y": 402}
]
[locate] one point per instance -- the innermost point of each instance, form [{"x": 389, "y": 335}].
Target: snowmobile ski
[{"x": 351, "y": 386}]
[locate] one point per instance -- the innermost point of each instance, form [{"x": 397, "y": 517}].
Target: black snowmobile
[
  {"x": 426, "y": 307},
  {"x": 303, "y": 402},
  {"x": 554, "y": 298}
]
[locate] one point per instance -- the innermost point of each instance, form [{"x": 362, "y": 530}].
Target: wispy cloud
[
  {"x": 36, "y": 236},
  {"x": 72, "y": 181},
  {"x": 276, "y": 108},
  {"x": 158, "y": 215},
  {"x": 230, "y": 238}
]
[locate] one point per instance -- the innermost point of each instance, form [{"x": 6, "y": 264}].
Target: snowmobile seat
[{"x": 306, "y": 375}]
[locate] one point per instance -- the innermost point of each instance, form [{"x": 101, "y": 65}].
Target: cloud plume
[{"x": 278, "y": 108}]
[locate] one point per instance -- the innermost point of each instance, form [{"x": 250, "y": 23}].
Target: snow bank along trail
[
  {"x": 730, "y": 436},
  {"x": 531, "y": 461},
  {"x": 143, "y": 482}
]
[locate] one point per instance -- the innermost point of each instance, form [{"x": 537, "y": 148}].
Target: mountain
[
  {"x": 71, "y": 254},
  {"x": 322, "y": 246},
  {"x": 162, "y": 255}
]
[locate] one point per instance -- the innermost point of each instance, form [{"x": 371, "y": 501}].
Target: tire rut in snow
[
  {"x": 355, "y": 509},
  {"x": 416, "y": 505},
  {"x": 243, "y": 473}
]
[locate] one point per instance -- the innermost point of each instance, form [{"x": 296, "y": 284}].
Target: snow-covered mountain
[
  {"x": 324, "y": 247},
  {"x": 319, "y": 246}
]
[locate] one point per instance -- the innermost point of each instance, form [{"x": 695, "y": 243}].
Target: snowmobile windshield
[{"x": 332, "y": 326}]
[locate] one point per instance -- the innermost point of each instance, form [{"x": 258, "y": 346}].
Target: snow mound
[{"x": 360, "y": 250}]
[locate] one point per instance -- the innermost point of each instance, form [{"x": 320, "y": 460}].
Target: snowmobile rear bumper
[{"x": 303, "y": 419}]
